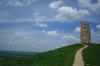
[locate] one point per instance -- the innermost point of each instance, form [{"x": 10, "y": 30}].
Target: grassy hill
[
  {"x": 91, "y": 55},
  {"x": 58, "y": 57}
]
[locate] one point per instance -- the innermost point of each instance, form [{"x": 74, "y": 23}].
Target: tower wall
[{"x": 85, "y": 33}]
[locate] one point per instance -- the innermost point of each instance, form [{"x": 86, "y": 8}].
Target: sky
[{"x": 43, "y": 25}]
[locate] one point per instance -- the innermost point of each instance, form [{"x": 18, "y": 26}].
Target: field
[{"x": 58, "y": 57}]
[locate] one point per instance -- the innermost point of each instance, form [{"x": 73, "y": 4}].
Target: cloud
[
  {"x": 95, "y": 36},
  {"x": 95, "y": 7},
  {"x": 36, "y": 18},
  {"x": 15, "y": 3},
  {"x": 39, "y": 18},
  {"x": 30, "y": 41},
  {"x": 52, "y": 33},
  {"x": 71, "y": 38},
  {"x": 38, "y": 41},
  {"x": 66, "y": 13},
  {"x": 33, "y": 0},
  {"x": 98, "y": 26},
  {"x": 41, "y": 25},
  {"x": 56, "y": 4},
  {"x": 98, "y": 34},
  {"x": 68, "y": 37},
  {"x": 77, "y": 29},
  {"x": 20, "y": 2}
]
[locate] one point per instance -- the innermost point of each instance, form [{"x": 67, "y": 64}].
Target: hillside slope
[
  {"x": 91, "y": 55},
  {"x": 58, "y": 57}
]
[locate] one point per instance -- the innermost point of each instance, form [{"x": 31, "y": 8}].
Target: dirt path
[{"x": 78, "y": 57}]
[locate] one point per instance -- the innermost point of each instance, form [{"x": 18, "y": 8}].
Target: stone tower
[{"x": 85, "y": 35}]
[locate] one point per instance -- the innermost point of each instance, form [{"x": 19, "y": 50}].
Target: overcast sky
[{"x": 42, "y": 25}]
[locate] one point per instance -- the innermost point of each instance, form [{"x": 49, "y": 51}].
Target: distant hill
[
  {"x": 16, "y": 53},
  {"x": 59, "y": 57}
]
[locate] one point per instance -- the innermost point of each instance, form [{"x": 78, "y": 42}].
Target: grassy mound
[
  {"x": 91, "y": 55},
  {"x": 58, "y": 57}
]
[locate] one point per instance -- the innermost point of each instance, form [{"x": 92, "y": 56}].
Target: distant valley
[{"x": 17, "y": 53}]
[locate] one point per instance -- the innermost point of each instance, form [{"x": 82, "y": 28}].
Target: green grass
[
  {"x": 58, "y": 57},
  {"x": 92, "y": 55}
]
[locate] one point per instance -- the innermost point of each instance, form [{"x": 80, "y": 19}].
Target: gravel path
[{"x": 78, "y": 57}]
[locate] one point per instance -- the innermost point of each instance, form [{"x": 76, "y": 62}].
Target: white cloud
[
  {"x": 92, "y": 32},
  {"x": 18, "y": 20},
  {"x": 34, "y": 0},
  {"x": 95, "y": 7},
  {"x": 95, "y": 36},
  {"x": 66, "y": 13},
  {"x": 37, "y": 41},
  {"x": 39, "y": 18},
  {"x": 56, "y": 4},
  {"x": 32, "y": 41},
  {"x": 98, "y": 35},
  {"x": 20, "y": 2},
  {"x": 43, "y": 31},
  {"x": 53, "y": 33},
  {"x": 98, "y": 26},
  {"x": 41, "y": 25},
  {"x": 70, "y": 38},
  {"x": 77, "y": 29},
  {"x": 17, "y": 3}
]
